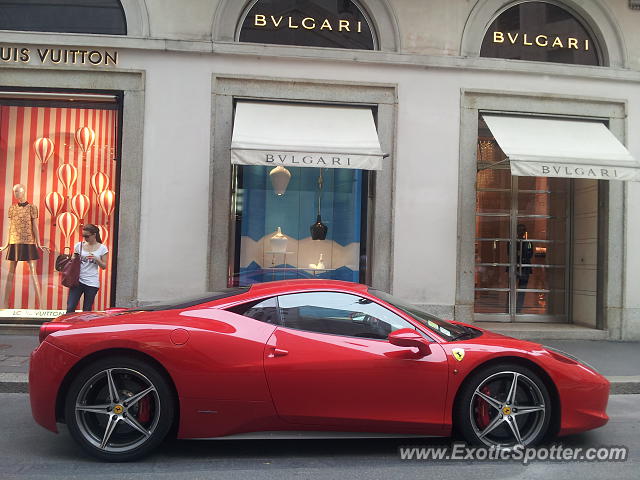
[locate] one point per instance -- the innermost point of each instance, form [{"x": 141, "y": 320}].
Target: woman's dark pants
[{"x": 74, "y": 297}]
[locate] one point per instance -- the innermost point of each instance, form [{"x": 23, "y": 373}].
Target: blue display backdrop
[{"x": 261, "y": 212}]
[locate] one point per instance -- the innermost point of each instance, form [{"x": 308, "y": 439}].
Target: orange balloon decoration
[
  {"x": 44, "y": 149},
  {"x": 53, "y": 201},
  {"x": 104, "y": 233},
  {"x": 68, "y": 223},
  {"x": 67, "y": 174},
  {"x": 107, "y": 201},
  {"x": 85, "y": 138},
  {"x": 99, "y": 182},
  {"x": 80, "y": 205}
]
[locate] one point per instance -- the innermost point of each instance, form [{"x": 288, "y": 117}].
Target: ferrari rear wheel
[
  {"x": 119, "y": 408},
  {"x": 504, "y": 405}
]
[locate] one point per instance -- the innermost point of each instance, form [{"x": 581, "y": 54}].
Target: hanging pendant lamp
[
  {"x": 319, "y": 229},
  {"x": 280, "y": 177}
]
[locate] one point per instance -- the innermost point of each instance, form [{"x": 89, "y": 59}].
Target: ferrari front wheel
[
  {"x": 503, "y": 405},
  {"x": 119, "y": 408}
]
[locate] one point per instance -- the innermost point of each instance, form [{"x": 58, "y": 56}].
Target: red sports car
[{"x": 304, "y": 356}]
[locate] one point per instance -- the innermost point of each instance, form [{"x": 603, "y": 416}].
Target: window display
[
  {"x": 310, "y": 227},
  {"x": 58, "y": 173}
]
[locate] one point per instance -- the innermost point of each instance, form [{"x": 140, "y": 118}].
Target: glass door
[{"x": 521, "y": 243}]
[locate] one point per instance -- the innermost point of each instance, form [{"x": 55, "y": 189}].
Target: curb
[
  {"x": 19, "y": 383},
  {"x": 624, "y": 385},
  {"x": 18, "y": 329},
  {"x": 14, "y": 383}
]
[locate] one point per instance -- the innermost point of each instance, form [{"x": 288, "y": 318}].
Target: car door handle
[{"x": 279, "y": 352}]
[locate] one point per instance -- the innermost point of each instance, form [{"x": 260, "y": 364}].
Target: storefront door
[{"x": 522, "y": 242}]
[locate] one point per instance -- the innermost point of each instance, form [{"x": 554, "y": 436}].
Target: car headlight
[{"x": 566, "y": 355}]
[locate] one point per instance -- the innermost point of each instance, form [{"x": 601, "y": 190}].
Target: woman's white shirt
[{"x": 88, "y": 270}]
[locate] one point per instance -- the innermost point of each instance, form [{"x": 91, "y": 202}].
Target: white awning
[
  {"x": 550, "y": 147},
  {"x": 297, "y": 135}
]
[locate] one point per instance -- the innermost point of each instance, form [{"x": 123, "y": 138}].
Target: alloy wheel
[
  {"x": 117, "y": 410},
  {"x": 507, "y": 409}
]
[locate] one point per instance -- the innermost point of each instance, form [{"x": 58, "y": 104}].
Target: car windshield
[{"x": 447, "y": 330}]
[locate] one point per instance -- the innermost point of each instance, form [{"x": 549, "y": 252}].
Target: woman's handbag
[
  {"x": 63, "y": 259},
  {"x": 71, "y": 272}
]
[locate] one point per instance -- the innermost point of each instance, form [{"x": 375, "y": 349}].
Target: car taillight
[{"x": 51, "y": 327}]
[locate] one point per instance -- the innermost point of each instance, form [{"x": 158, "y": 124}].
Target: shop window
[
  {"x": 339, "y": 314},
  {"x": 71, "y": 16},
  {"x": 542, "y": 32},
  {"x": 58, "y": 163},
  {"x": 313, "y": 23},
  {"x": 314, "y": 229}
]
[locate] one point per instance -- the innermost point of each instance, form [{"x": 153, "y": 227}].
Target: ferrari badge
[{"x": 458, "y": 354}]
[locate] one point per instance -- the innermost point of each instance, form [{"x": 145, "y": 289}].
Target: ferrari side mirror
[{"x": 408, "y": 337}]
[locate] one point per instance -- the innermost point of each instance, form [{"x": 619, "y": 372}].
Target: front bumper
[{"x": 584, "y": 395}]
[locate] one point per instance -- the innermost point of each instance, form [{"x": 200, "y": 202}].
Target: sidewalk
[
  {"x": 14, "y": 361},
  {"x": 618, "y": 361}
]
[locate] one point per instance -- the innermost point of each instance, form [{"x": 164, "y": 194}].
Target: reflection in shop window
[
  {"x": 541, "y": 32},
  {"x": 313, "y": 230},
  {"x": 527, "y": 216},
  {"x": 71, "y": 16},
  {"x": 57, "y": 172}
]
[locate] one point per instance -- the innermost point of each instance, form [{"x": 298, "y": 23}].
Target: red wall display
[{"x": 64, "y": 175}]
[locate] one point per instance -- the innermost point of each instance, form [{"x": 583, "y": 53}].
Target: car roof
[{"x": 306, "y": 284}]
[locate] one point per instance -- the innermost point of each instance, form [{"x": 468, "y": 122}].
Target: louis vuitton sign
[
  {"x": 313, "y": 23},
  {"x": 57, "y": 56}
]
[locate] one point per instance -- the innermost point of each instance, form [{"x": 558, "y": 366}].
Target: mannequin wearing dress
[{"x": 23, "y": 242}]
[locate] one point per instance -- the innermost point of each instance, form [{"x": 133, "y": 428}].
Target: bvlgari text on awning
[{"x": 316, "y": 160}]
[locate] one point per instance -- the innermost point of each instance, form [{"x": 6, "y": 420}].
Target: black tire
[
  {"x": 138, "y": 421},
  {"x": 495, "y": 421}
]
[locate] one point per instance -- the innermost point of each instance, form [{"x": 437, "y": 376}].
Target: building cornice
[{"x": 285, "y": 52}]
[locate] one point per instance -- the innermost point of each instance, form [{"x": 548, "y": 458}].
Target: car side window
[
  {"x": 338, "y": 314},
  {"x": 263, "y": 310}
]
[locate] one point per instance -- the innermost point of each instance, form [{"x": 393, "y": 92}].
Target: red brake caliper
[
  {"x": 482, "y": 412},
  {"x": 144, "y": 410}
]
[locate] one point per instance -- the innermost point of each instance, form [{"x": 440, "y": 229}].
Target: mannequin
[{"x": 23, "y": 242}]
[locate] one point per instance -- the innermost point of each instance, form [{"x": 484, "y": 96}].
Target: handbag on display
[{"x": 71, "y": 272}]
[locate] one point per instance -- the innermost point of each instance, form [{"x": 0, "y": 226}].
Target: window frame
[
  {"x": 357, "y": 3},
  {"x": 580, "y": 19},
  {"x": 374, "y": 300}
]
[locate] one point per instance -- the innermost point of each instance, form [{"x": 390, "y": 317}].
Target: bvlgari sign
[
  {"x": 539, "y": 31},
  {"x": 314, "y": 23},
  {"x": 307, "y": 23},
  {"x": 541, "y": 40}
]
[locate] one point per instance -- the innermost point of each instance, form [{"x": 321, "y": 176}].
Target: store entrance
[{"x": 522, "y": 243}]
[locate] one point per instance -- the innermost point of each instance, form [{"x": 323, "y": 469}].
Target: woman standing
[{"x": 93, "y": 255}]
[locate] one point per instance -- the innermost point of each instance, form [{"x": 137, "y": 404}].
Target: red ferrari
[{"x": 303, "y": 356}]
